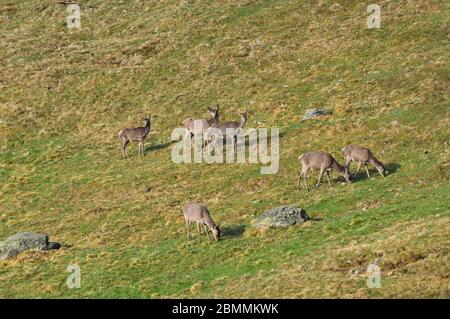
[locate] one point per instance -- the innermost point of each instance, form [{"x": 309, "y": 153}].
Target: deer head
[{"x": 216, "y": 232}]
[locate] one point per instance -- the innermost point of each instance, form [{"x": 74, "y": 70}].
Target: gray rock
[
  {"x": 311, "y": 113},
  {"x": 20, "y": 242},
  {"x": 281, "y": 216}
]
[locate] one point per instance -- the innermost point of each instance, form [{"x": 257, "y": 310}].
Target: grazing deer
[
  {"x": 229, "y": 127},
  {"x": 137, "y": 134},
  {"x": 194, "y": 212},
  {"x": 361, "y": 155},
  {"x": 320, "y": 161},
  {"x": 201, "y": 124}
]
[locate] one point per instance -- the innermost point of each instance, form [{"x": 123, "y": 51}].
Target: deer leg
[
  {"x": 305, "y": 173},
  {"x": 329, "y": 180},
  {"x": 300, "y": 173},
  {"x": 123, "y": 146},
  {"x": 198, "y": 232},
  {"x": 322, "y": 171},
  {"x": 212, "y": 143},
  {"x": 206, "y": 139},
  {"x": 206, "y": 142},
  {"x": 193, "y": 139},
  {"x": 188, "y": 232},
  {"x": 206, "y": 231},
  {"x": 357, "y": 169},
  {"x": 347, "y": 163},
  {"x": 367, "y": 171}
]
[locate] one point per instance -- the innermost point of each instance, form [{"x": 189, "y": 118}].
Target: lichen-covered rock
[
  {"x": 311, "y": 113},
  {"x": 281, "y": 216},
  {"x": 20, "y": 242}
]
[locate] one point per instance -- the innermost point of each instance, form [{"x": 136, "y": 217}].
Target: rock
[
  {"x": 312, "y": 113},
  {"x": 281, "y": 216},
  {"x": 20, "y": 242}
]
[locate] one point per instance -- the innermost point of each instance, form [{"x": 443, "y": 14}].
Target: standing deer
[
  {"x": 137, "y": 134},
  {"x": 361, "y": 155},
  {"x": 194, "y": 212},
  {"x": 320, "y": 161},
  {"x": 230, "y": 127},
  {"x": 201, "y": 125}
]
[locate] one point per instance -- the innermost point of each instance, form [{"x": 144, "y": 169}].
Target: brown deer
[
  {"x": 194, "y": 212},
  {"x": 361, "y": 155},
  {"x": 201, "y": 125},
  {"x": 230, "y": 128},
  {"x": 137, "y": 134},
  {"x": 323, "y": 162}
]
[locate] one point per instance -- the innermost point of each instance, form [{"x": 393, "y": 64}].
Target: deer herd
[{"x": 318, "y": 161}]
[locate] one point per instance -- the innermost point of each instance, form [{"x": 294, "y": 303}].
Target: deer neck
[
  {"x": 214, "y": 120},
  {"x": 242, "y": 121},
  {"x": 336, "y": 166},
  {"x": 209, "y": 223},
  {"x": 147, "y": 127},
  {"x": 375, "y": 162}
]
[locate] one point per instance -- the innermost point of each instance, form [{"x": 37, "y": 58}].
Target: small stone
[{"x": 312, "y": 113}]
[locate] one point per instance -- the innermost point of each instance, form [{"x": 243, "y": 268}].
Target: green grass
[{"x": 66, "y": 95}]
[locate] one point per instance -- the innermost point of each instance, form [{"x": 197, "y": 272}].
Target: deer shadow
[
  {"x": 159, "y": 146},
  {"x": 391, "y": 168},
  {"x": 233, "y": 231},
  {"x": 315, "y": 219}
]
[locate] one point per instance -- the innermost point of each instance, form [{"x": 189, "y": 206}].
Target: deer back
[
  {"x": 197, "y": 212},
  {"x": 316, "y": 160}
]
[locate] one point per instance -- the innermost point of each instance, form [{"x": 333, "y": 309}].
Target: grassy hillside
[{"x": 65, "y": 95}]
